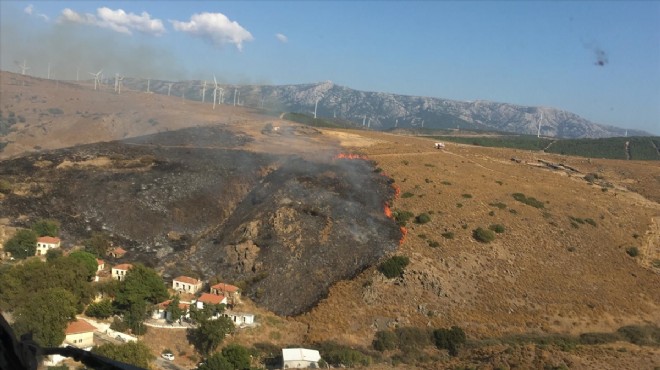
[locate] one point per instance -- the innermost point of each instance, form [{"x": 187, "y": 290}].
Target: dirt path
[
  {"x": 651, "y": 248},
  {"x": 549, "y": 145}
]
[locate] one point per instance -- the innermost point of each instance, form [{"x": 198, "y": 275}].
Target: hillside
[{"x": 221, "y": 193}]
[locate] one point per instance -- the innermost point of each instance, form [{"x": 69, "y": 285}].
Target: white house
[
  {"x": 240, "y": 319},
  {"x": 100, "y": 264},
  {"x": 187, "y": 284},
  {"x": 160, "y": 311},
  {"x": 119, "y": 271},
  {"x": 207, "y": 298},
  {"x": 300, "y": 358},
  {"x": 80, "y": 333},
  {"x": 46, "y": 243}
]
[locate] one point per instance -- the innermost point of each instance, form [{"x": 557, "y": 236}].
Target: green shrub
[
  {"x": 413, "y": 337},
  {"x": 483, "y": 235},
  {"x": 55, "y": 111},
  {"x": 394, "y": 266},
  {"x": 632, "y": 251},
  {"x": 498, "y": 205},
  {"x": 101, "y": 309},
  {"x": 590, "y": 222},
  {"x": 449, "y": 339},
  {"x": 599, "y": 338},
  {"x": 530, "y": 201},
  {"x": 5, "y": 186},
  {"x": 407, "y": 195},
  {"x": 433, "y": 243},
  {"x": 446, "y": 183},
  {"x": 497, "y": 228},
  {"x": 342, "y": 356},
  {"x": 459, "y": 205},
  {"x": 402, "y": 217},
  {"x": 385, "y": 340},
  {"x": 466, "y": 196},
  {"x": 423, "y": 218},
  {"x": 448, "y": 235}
]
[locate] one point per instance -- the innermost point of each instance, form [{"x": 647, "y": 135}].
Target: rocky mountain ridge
[{"x": 378, "y": 110}]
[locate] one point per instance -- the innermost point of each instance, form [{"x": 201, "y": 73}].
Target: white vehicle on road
[{"x": 168, "y": 356}]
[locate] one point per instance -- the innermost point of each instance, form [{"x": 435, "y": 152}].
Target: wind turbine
[
  {"x": 49, "y": 70},
  {"x": 538, "y": 132},
  {"x": 215, "y": 91},
  {"x": 96, "y": 78},
  {"x": 221, "y": 100},
  {"x": 78, "y": 73},
  {"x": 204, "y": 93},
  {"x": 234, "y": 96},
  {"x": 169, "y": 88},
  {"x": 148, "y": 85},
  {"x": 119, "y": 80},
  {"x": 316, "y": 106},
  {"x": 116, "y": 79},
  {"x": 23, "y": 67}
]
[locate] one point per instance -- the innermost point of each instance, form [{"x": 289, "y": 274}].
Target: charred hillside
[
  {"x": 198, "y": 200},
  {"x": 305, "y": 226}
]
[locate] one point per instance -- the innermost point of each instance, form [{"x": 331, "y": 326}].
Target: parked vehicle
[{"x": 168, "y": 356}]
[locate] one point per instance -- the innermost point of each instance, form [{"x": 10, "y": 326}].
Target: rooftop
[
  {"x": 300, "y": 354},
  {"x": 210, "y": 298},
  {"x": 225, "y": 287},
  {"x": 48, "y": 239},
  {"x": 79, "y": 326},
  {"x": 187, "y": 280}
]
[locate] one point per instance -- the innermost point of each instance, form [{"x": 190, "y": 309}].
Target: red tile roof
[
  {"x": 225, "y": 287},
  {"x": 188, "y": 280},
  {"x": 79, "y": 326},
  {"x": 48, "y": 239},
  {"x": 119, "y": 251},
  {"x": 182, "y": 305},
  {"x": 100, "y": 262},
  {"x": 210, "y": 298},
  {"x": 123, "y": 266}
]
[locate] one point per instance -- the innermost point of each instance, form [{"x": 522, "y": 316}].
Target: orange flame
[
  {"x": 397, "y": 191},
  {"x": 350, "y": 156},
  {"x": 388, "y": 211},
  {"x": 404, "y": 231}
]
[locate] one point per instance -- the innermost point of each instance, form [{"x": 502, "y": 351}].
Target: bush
[
  {"x": 497, "y": 228},
  {"x": 448, "y": 235},
  {"x": 394, "y": 266},
  {"x": 632, "y": 251},
  {"x": 342, "y": 356},
  {"x": 407, "y": 195},
  {"x": 102, "y": 309},
  {"x": 55, "y": 111},
  {"x": 466, "y": 196},
  {"x": 5, "y": 187},
  {"x": 423, "y": 218},
  {"x": 402, "y": 217},
  {"x": 433, "y": 243},
  {"x": 483, "y": 235},
  {"x": 411, "y": 338},
  {"x": 385, "y": 340},
  {"x": 449, "y": 339},
  {"x": 530, "y": 201}
]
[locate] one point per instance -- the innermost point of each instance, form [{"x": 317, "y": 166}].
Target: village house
[
  {"x": 233, "y": 293},
  {"x": 187, "y": 284},
  {"x": 240, "y": 319},
  {"x": 100, "y": 264},
  {"x": 46, "y": 243},
  {"x": 160, "y": 311},
  {"x": 117, "y": 252},
  {"x": 300, "y": 358},
  {"x": 119, "y": 271},
  {"x": 80, "y": 333},
  {"x": 207, "y": 298}
]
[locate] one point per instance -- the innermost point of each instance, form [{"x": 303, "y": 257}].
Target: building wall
[
  {"x": 300, "y": 365},
  {"x": 185, "y": 287},
  {"x": 81, "y": 340},
  {"x": 118, "y": 274}
]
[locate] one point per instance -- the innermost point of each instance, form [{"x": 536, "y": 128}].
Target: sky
[{"x": 600, "y": 60}]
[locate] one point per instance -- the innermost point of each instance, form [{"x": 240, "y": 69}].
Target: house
[
  {"x": 101, "y": 264},
  {"x": 187, "y": 284},
  {"x": 207, "y": 298},
  {"x": 117, "y": 252},
  {"x": 46, "y": 243},
  {"x": 240, "y": 319},
  {"x": 80, "y": 333},
  {"x": 230, "y": 291},
  {"x": 300, "y": 358},
  {"x": 160, "y": 311},
  {"x": 119, "y": 271}
]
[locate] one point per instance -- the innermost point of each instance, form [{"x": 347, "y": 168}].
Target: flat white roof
[{"x": 300, "y": 354}]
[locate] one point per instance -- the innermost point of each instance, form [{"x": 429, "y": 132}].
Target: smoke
[
  {"x": 599, "y": 54},
  {"x": 77, "y": 49}
]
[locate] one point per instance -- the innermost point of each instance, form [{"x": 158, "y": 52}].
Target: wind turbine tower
[
  {"x": 23, "y": 67},
  {"x": 234, "y": 96},
  {"x": 119, "y": 80},
  {"x": 49, "y": 70},
  {"x": 215, "y": 91},
  {"x": 116, "y": 79},
  {"x": 169, "y": 88},
  {"x": 97, "y": 76},
  {"x": 148, "y": 85},
  {"x": 538, "y": 131},
  {"x": 316, "y": 106},
  {"x": 364, "y": 120}
]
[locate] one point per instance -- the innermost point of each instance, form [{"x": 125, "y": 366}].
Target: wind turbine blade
[{"x": 215, "y": 81}]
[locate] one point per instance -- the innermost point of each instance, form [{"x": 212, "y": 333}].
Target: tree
[
  {"x": 101, "y": 309},
  {"x": 46, "y": 227},
  {"x": 23, "y": 244},
  {"x": 46, "y": 315},
  {"x": 134, "y": 317},
  {"x": 141, "y": 284},
  {"x": 53, "y": 254},
  {"x": 88, "y": 260},
  {"x": 216, "y": 362},
  {"x": 174, "y": 310},
  {"x": 385, "y": 340},
  {"x": 210, "y": 333},
  {"x": 238, "y": 356},
  {"x": 98, "y": 244},
  {"x": 133, "y": 353},
  {"x": 450, "y": 339},
  {"x": 394, "y": 266}
]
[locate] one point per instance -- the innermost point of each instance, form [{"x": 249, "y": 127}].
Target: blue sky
[{"x": 528, "y": 53}]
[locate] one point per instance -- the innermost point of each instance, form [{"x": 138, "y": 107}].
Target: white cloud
[
  {"x": 28, "y": 9},
  {"x": 116, "y": 20},
  {"x": 281, "y": 37},
  {"x": 215, "y": 28}
]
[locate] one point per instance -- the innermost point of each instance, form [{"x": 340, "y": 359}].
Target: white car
[{"x": 168, "y": 356}]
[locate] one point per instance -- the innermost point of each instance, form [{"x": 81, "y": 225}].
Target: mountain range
[{"x": 381, "y": 111}]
